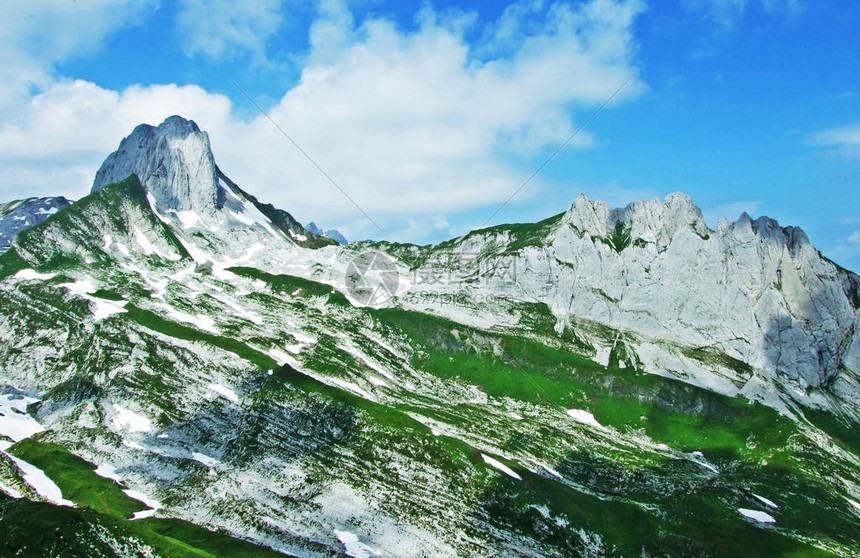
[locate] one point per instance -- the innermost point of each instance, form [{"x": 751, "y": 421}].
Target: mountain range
[{"x": 187, "y": 371}]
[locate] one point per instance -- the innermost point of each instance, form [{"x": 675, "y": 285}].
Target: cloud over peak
[{"x": 412, "y": 123}]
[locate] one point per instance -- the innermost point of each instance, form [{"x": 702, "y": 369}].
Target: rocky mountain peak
[
  {"x": 174, "y": 163},
  {"x": 654, "y": 221}
]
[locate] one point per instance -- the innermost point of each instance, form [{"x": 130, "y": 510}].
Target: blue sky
[{"x": 431, "y": 114}]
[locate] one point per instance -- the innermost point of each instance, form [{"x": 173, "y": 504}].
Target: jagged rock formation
[
  {"x": 753, "y": 291},
  {"x": 18, "y": 215},
  {"x": 552, "y": 389},
  {"x": 174, "y": 163}
]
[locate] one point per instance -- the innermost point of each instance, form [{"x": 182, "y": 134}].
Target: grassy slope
[
  {"x": 671, "y": 412},
  {"x": 740, "y": 436},
  {"x": 112, "y": 508},
  {"x": 110, "y": 207}
]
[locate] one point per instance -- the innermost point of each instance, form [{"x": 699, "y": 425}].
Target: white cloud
[
  {"x": 36, "y": 35},
  {"x": 846, "y": 139},
  {"x": 58, "y": 140},
  {"x": 412, "y": 124},
  {"x": 441, "y": 223},
  {"x": 221, "y": 29},
  {"x": 847, "y": 251}
]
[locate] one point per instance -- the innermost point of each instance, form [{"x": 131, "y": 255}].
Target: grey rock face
[
  {"x": 19, "y": 215},
  {"x": 755, "y": 291},
  {"x": 174, "y": 163},
  {"x": 752, "y": 290}
]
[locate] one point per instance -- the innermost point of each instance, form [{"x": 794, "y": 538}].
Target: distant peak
[{"x": 328, "y": 233}]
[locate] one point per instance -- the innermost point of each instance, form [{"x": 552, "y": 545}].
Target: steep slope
[
  {"x": 174, "y": 162},
  {"x": 243, "y": 390},
  {"x": 749, "y": 308},
  {"x": 18, "y": 215}
]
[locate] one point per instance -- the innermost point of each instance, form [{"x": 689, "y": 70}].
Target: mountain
[
  {"x": 15, "y": 216},
  {"x": 749, "y": 309},
  {"x": 329, "y": 233},
  {"x": 182, "y": 375},
  {"x": 174, "y": 163}
]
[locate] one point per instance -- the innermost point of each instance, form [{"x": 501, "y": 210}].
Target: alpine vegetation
[{"x": 186, "y": 370}]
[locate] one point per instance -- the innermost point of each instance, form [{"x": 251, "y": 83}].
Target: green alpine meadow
[{"x": 187, "y": 371}]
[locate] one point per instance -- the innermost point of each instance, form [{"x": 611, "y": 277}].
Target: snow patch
[
  {"x": 766, "y": 501},
  {"x": 584, "y": 417},
  {"x": 500, "y": 466},
  {"x": 130, "y": 420},
  {"x": 33, "y": 275},
  {"x": 198, "y": 255},
  {"x": 80, "y": 287},
  {"x": 376, "y": 381},
  {"x": 355, "y": 547},
  {"x": 350, "y": 387},
  {"x": 108, "y": 471},
  {"x": 294, "y": 349},
  {"x": 699, "y": 459},
  {"x": 187, "y": 219},
  {"x": 252, "y": 216},
  {"x": 759, "y": 516},
  {"x": 280, "y": 357},
  {"x": 9, "y": 491},
  {"x": 149, "y": 248},
  {"x": 602, "y": 356},
  {"x": 201, "y": 321},
  {"x": 548, "y": 469},
  {"x": 224, "y": 392},
  {"x": 105, "y": 308},
  {"x": 44, "y": 486},
  {"x": 15, "y": 423},
  {"x": 240, "y": 311},
  {"x": 154, "y": 505},
  {"x": 204, "y": 459}
]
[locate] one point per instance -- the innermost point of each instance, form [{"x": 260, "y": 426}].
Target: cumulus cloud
[
  {"x": 413, "y": 124},
  {"x": 220, "y": 29},
  {"x": 73, "y": 125},
  {"x": 36, "y": 35}
]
